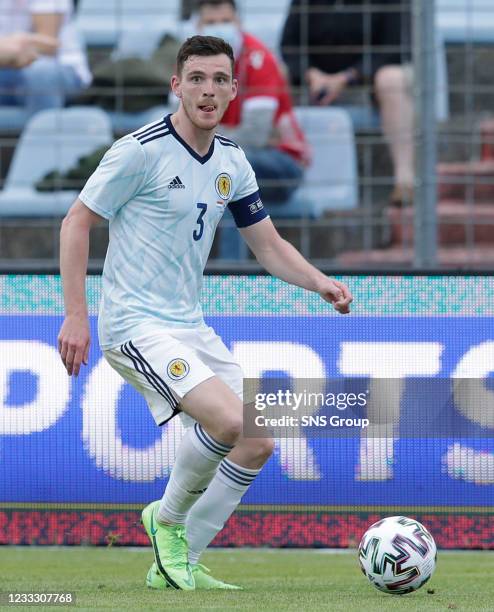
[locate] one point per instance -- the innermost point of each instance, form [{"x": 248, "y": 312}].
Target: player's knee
[
  {"x": 265, "y": 448},
  {"x": 230, "y": 429},
  {"x": 258, "y": 450}
]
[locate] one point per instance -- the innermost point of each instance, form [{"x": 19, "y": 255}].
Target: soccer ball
[{"x": 398, "y": 555}]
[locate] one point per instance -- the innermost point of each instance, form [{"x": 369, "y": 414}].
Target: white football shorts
[{"x": 164, "y": 364}]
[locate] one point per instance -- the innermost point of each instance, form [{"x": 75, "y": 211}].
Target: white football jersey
[{"x": 164, "y": 202}]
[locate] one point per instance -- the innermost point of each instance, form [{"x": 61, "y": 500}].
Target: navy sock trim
[
  {"x": 239, "y": 470},
  {"x": 227, "y": 471},
  {"x": 210, "y": 443},
  {"x": 234, "y": 478}
]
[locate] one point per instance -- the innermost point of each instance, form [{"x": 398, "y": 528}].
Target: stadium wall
[{"x": 80, "y": 458}]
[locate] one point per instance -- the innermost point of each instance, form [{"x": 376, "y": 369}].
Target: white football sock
[
  {"x": 195, "y": 465},
  {"x": 208, "y": 516}
]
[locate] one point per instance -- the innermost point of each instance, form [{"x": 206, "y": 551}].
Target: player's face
[{"x": 206, "y": 88}]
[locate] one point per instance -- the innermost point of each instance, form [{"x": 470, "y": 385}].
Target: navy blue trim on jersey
[
  {"x": 160, "y": 128},
  {"x": 200, "y": 158},
  {"x": 143, "y": 367},
  {"x": 144, "y": 130},
  {"x": 226, "y": 142},
  {"x": 151, "y": 137},
  {"x": 248, "y": 210}
]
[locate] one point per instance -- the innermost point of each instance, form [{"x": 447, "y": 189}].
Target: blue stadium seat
[
  {"x": 12, "y": 119},
  {"x": 124, "y": 123},
  {"x": 330, "y": 183},
  {"x": 52, "y": 140},
  {"x": 102, "y": 23},
  {"x": 460, "y": 21},
  {"x": 265, "y": 20}
]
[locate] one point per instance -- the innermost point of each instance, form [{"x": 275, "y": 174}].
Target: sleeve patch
[{"x": 248, "y": 210}]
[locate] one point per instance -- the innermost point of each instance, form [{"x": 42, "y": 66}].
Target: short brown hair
[{"x": 203, "y": 46}]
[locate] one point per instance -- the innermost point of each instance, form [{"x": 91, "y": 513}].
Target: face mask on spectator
[{"x": 229, "y": 32}]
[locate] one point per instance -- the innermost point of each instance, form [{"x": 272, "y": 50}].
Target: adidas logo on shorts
[{"x": 176, "y": 184}]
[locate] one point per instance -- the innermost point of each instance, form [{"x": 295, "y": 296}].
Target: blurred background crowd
[{"x": 367, "y": 122}]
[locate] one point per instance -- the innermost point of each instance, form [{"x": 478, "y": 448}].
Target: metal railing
[{"x": 452, "y": 54}]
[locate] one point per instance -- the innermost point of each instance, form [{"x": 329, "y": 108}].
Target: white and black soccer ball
[{"x": 398, "y": 555}]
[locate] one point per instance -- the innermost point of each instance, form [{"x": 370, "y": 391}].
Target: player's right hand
[
  {"x": 336, "y": 293},
  {"x": 73, "y": 343}
]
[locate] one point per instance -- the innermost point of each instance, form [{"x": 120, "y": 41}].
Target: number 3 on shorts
[{"x": 197, "y": 233}]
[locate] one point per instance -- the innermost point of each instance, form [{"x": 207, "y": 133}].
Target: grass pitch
[{"x": 294, "y": 580}]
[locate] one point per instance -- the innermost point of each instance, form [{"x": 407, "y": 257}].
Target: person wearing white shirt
[
  {"x": 164, "y": 189},
  {"x": 56, "y": 70}
]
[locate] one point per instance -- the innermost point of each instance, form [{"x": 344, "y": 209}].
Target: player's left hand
[{"x": 337, "y": 294}]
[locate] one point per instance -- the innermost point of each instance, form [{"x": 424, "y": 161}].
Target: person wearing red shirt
[{"x": 261, "y": 118}]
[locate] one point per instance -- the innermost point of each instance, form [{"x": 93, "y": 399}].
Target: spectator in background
[
  {"x": 20, "y": 50},
  {"x": 372, "y": 41},
  {"x": 261, "y": 118},
  {"x": 59, "y": 69}
]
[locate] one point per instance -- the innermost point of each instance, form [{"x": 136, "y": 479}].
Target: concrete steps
[
  {"x": 459, "y": 257},
  {"x": 458, "y": 224},
  {"x": 468, "y": 181}
]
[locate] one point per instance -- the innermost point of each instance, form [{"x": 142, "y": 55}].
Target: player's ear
[
  {"x": 234, "y": 89},
  {"x": 175, "y": 86}
]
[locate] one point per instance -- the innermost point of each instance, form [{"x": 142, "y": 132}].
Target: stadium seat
[
  {"x": 12, "y": 119},
  {"x": 102, "y": 23},
  {"x": 124, "y": 123},
  {"x": 330, "y": 183},
  {"x": 460, "y": 21},
  {"x": 265, "y": 20},
  {"x": 52, "y": 140},
  {"x": 267, "y": 28}
]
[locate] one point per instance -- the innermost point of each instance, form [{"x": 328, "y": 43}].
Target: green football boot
[
  {"x": 170, "y": 550},
  {"x": 204, "y": 581}
]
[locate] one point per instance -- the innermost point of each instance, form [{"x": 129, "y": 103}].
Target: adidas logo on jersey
[{"x": 176, "y": 184}]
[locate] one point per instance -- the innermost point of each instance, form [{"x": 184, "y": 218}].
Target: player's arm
[
  {"x": 283, "y": 260},
  {"x": 74, "y": 336}
]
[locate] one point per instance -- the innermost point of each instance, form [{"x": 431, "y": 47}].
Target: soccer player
[{"x": 164, "y": 189}]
